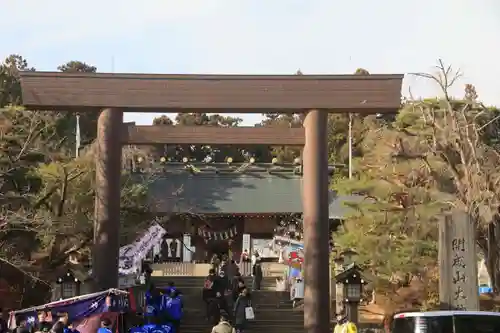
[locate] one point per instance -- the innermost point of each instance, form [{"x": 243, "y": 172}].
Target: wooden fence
[{"x": 192, "y": 269}]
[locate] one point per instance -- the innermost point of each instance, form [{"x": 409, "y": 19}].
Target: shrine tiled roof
[{"x": 252, "y": 193}]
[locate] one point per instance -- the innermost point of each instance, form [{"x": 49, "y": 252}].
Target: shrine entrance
[
  {"x": 313, "y": 95},
  {"x": 205, "y": 249},
  {"x": 218, "y": 247}
]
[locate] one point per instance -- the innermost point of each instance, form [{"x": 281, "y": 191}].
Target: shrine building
[{"x": 225, "y": 209}]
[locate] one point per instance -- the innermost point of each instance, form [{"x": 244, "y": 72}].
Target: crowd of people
[
  {"x": 46, "y": 324},
  {"x": 163, "y": 311},
  {"x": 230, "y": 268},
  {"x": 226, "y": 295}
]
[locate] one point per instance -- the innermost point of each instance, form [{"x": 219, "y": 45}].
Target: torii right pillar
[{"x": 315, "y": 217}]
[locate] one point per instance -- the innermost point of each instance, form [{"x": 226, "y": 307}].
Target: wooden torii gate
[{"x": 315, "y": 95}]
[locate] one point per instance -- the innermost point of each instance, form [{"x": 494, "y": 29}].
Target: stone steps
[
  {"x": 250, "y": 328},
  {"x": 197, "y": 283},
  {"x": 260, "y": 313},
  {"x": 193, "y": 300},
  {"x": 273, "y": 310},
  {"x": 269, "y": 296},
  {"x": 260, "y": 321},
  {"x": 282, "y": 326},
  {"x": 198, "y": 280}
]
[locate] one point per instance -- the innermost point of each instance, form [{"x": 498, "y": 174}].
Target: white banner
[
  {"x": 265, "y": 248},
  {"x": 288, "y": 242},
  {"x": 132, "y": 255}
]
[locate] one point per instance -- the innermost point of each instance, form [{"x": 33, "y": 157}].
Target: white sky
[{"x": 257, "y": 37}]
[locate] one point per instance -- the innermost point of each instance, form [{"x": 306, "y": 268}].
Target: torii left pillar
[
  {"x": 316, "y": 228},
  {"x": 105, "y": 251}
]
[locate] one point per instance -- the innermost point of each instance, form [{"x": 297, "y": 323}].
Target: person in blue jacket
[
  {"x": 175, "y": 310},
  {"x": 106, "y": 326},
  {"x": 137, "y": 329},
  {"x": 136, "y": 323},
  {"x": 167, "y": 328},
  {"x": 170, "y": 288},
  {"x": 153, "y": 300},
  {"x": 150, "y": 328},
  {"x": 163, "y": 310}
]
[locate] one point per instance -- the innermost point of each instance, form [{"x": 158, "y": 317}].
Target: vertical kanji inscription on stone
[{"x": 458, "y": 287}]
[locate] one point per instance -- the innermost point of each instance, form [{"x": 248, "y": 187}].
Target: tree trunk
[{"x": 489, "y": 243}]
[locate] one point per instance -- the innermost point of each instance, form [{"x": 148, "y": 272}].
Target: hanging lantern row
[
  {"x": 256, "y": 216},
  {"x": 229, "y": 160}
]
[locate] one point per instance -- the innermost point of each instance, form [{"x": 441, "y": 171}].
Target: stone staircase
[{"x": 273, "y": 310}]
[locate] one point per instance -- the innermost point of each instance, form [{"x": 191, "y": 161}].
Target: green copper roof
[{"x": 184, "y": 192}]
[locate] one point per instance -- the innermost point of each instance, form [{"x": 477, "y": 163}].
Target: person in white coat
[{"x": 255, "y": 256}]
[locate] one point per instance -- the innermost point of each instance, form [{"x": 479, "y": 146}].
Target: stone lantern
[
  {"x": 67, "y": 285},
  {"x": 351, "y": 281}
]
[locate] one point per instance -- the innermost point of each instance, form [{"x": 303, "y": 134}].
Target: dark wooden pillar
[
  {"x": 107, "y": 204},
  {"x": 316, "y": 234}
]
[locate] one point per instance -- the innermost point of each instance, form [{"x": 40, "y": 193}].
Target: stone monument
[{"x": 458, "y": 287}]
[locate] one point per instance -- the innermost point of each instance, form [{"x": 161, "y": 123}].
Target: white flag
[{"x": 78, "y": 136}]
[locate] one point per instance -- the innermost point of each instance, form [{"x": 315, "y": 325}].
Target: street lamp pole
[{"x": 350, "y": 145}]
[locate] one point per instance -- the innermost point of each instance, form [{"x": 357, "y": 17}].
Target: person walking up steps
[
  {"x": 237, "y": 286},
  {"x": 175, "y": 310},
  {"x": 209, "y": 289},
  {"x": 240, "y": 318},
  {"x": 223, "y": 326},
  {"x": 257, "y": 274}
]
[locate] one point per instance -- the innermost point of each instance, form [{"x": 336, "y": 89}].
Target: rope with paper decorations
[{"x": 218, "y": 235}]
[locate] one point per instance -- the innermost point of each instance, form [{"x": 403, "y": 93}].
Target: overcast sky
[{"x": 261, "y": 37}]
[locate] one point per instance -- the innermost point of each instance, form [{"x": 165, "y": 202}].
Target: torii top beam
[{"x": 211, "y": 93}]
